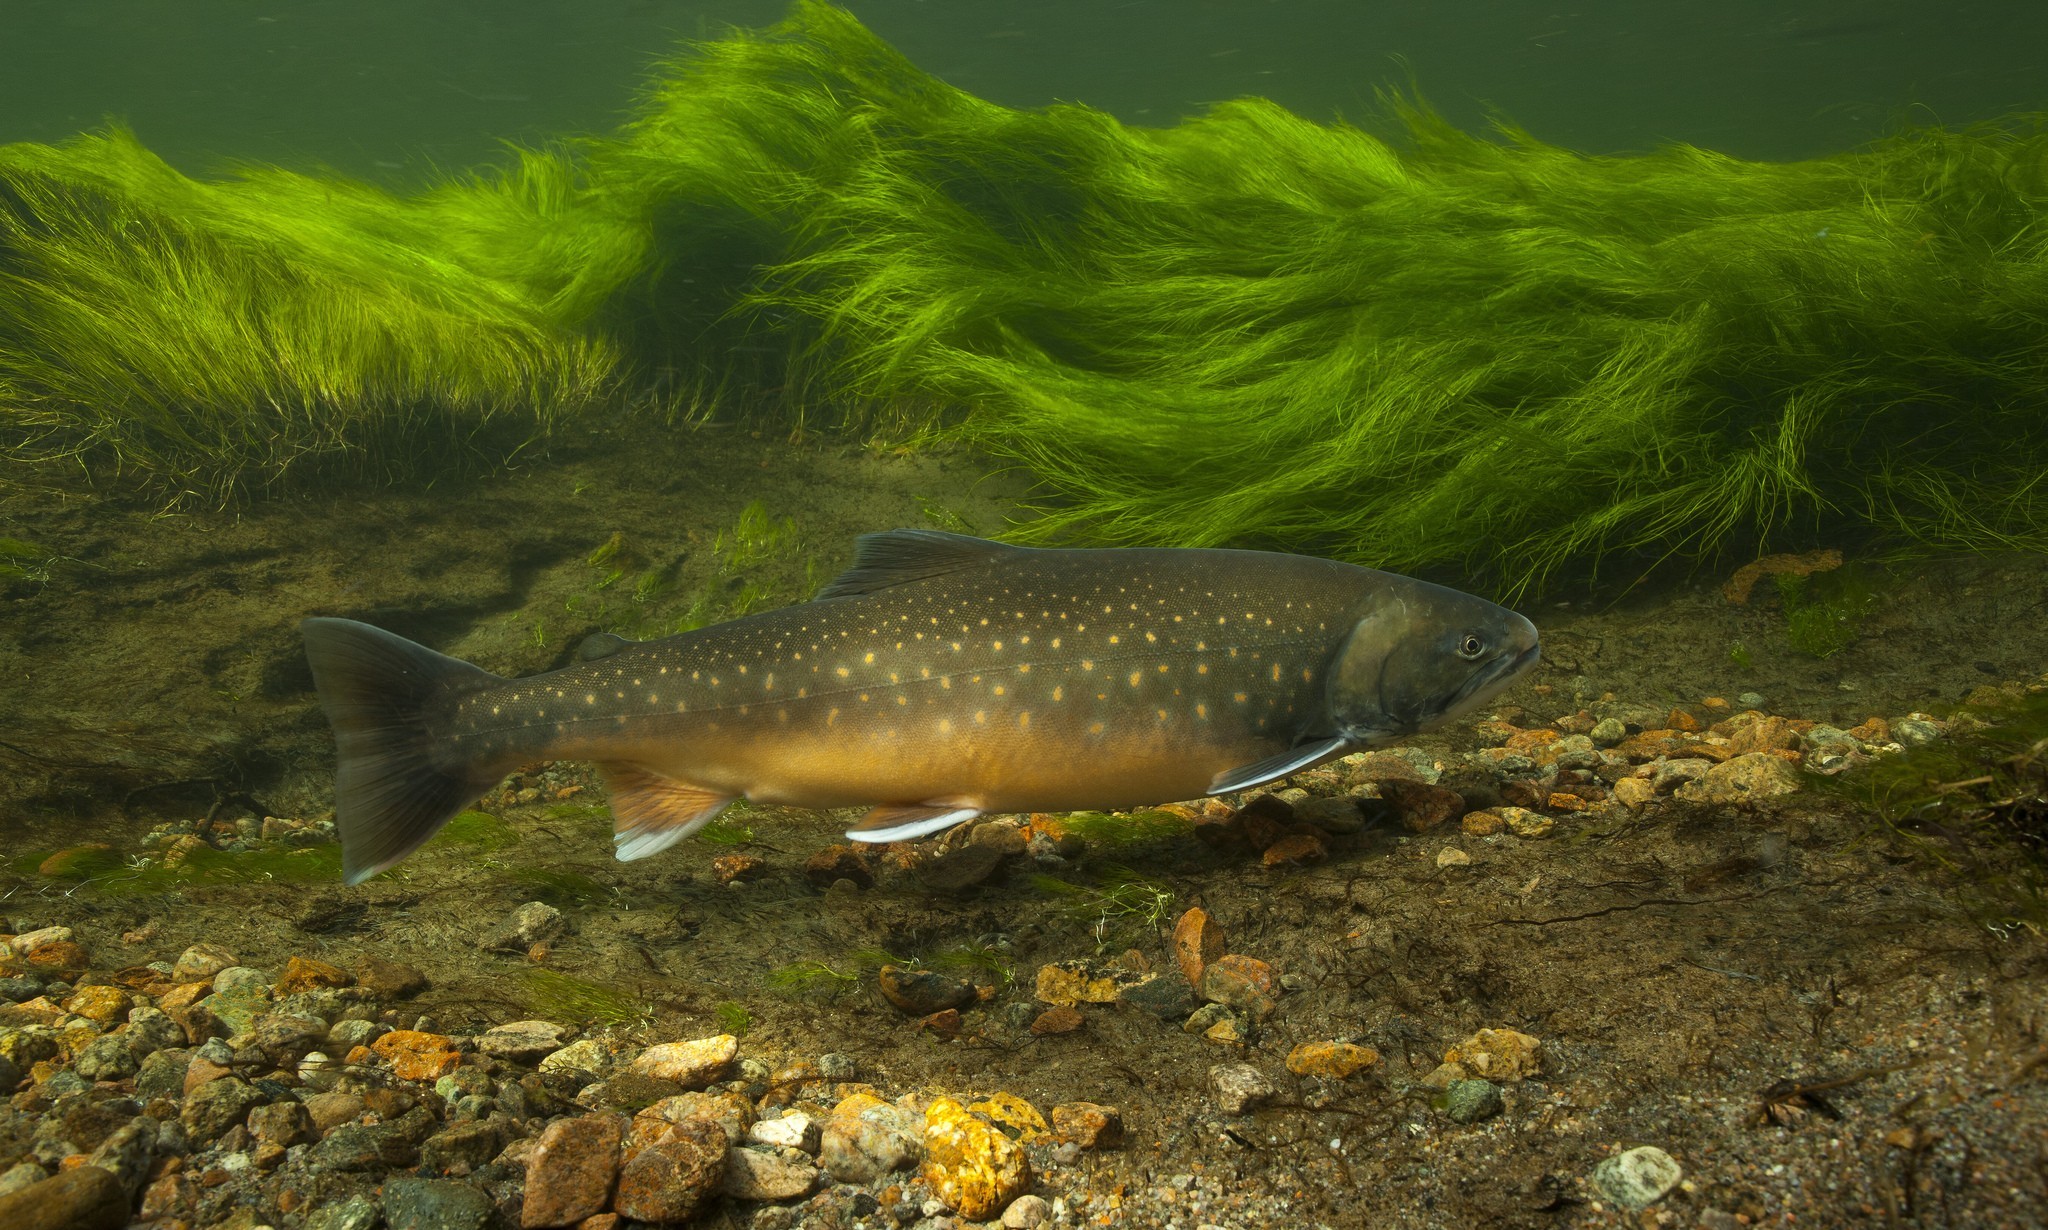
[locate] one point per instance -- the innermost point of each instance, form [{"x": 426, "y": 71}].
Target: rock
[
  {"x": 1637, "y": 1178},
  {"x": 971, "y": 1167},
  {"x": 103, "y": 1004},
  {"x": 285, "y": 1038},
  {"x": 1068, "y": 983},
  {"x": 387, "y": 981},
  {"x": 590, "y": 1057},
  {"x": 235, "y": 977},
  {"x": 1230, "y": 1029},
  {"x": 21, "y": 1175},
  {"x": 331, "y": 1110},
  {"x": 416, "y": 1055},
  {"x": 109, "y": 1057},
  {"x": 201, "y": 962},
  {"x": 81, "y": 1198},
  {"x": 739, "y": 868},
  {"x": 524, "y": 1042},
  {"x": 1295, "y": 849},
  {"x": 866, "y": 1138},
  {"x": 1163, "y": 995},
  {"x": 162, "y": 1075},
  {"x": 1243, "y": 983},
  {"x": 1915, "y": 730},
  {"x": 1090, "y": 1125},
  {"x": 1634, "y": 791},
  {"x": 1197, "y": 941},
  {"x": 284, "y": 1123},
  {"x": 834, "y": 863},
  {"x": 366, "y": 1147},
  {"x": 1671, "y": 773},
  {"x": 1420, "y": 806},
  {"x": 1498, "y": 1054},
  {"x": 1452, "y": 856},
  {"x": 461, "y": 1148},
  {"x": 732, "y": 1112},
  {"x": 413, "y": 1203},
  {"x": 751, "y": 1174},
  {"x": 794, "y": 1130},
  {"x": 668, "y": 1181},
  {"x": 838, "y": 1066},
  {"x": 943, "y": 1024},
  {"x": 536, "y": 922},
  {"x": 1482, "y": 823},
  {"x": 214, "y": 1107},
  {"x": 569, "y": 1174},
  {"x": 1057, "y": 1020},
  {"x": 1607, "y": 732},
  {"x": 355, "y": 1213},
  {"x": 1335, "y": 1060},
  {"x": 1469, "y": 1101},
  {"x": 692, "y": 1065},
  {"x": 128, "y": 1154},
  {"x": 28, "y": 943},
  {"x": 1240, "y": 1087},
  {"x": 237, "y": 1004},
  {"x": 1332, "y": 814},
  {"x": 1526, "y": 824},
  {"x": 1756, "y": 775},
  {"x": 921, "y": 992},
  {"x": 1004, "y": 836},
  {"x": 1027, "y": 1212},
  {"x": 306, "y": 974},
  {"x": 958, "y": 870}
]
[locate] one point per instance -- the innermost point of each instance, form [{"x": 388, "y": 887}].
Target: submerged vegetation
[
  {"x": 1423, "y": 348},
  {"x": 1975, "y": 806}
]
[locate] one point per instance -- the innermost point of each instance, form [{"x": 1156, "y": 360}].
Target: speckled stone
[
  {"x": 692, "y": 1064},
  {"x": 971, "y": 1167},
  {"x": 1637, "y": 1178},
  {"x": 1090, "y": 1125},
  {"x": 1239, "y": 1087},
  {"x": 81, "y": 1198},
  {"x": 866, "y": 1138},
  {"x": 569, "y": 1174},
  {"x": 1471, "y": 1100},
  {"x": 416, "y": 1055},
  {"x": 1335, "y": 1060},
  {"x": 668, "y": 1181}
]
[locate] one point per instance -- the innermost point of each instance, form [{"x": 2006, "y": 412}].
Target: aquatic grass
[
  {"x": 476, "y": 830},
  {"x": 562, "y": 997},
  {"x": 1121, "y": 830},
  {"x": 1406, "y": 346}
]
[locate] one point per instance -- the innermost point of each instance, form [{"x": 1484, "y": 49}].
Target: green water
[{"x": 390, "y": 90}]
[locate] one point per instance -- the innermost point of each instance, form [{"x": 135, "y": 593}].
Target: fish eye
[{"x": 1471, "y": 646}]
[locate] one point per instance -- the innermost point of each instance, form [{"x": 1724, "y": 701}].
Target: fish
[{"x": 940, "y": 678}]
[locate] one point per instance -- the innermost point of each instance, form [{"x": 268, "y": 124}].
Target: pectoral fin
[
  {"x": 908, "y": 823},
  {"x": 652, "y": 812},
  {"x": 1273, "y": 768}
]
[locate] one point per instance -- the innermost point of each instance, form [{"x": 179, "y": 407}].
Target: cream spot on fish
[
  {"x": 1135, "y": 677},
  {"x": 590, "y": 698},
  {"x": 693, "y": 676},
  {"x": 945, "y": 726},
  {"x": 997, "y": 646},
  {"x": 999, "y": 689},
  {"x": 1307, "y": 676},
  {"x": 1094, "y": 728},
  {"x": 1163, "y": 668},
  {"x": 1087, "y": 664},
  {"x": 1201, "y": 710},
  {"x": 1276, "y": 672},
  {"x": 832, "y": 717},
  {"x": 494, "y": 710},
  {"x": 1023, "y": 640},
  {"x": 1161, "y": 713},
  {"x": 869, "y": 660},
  {"x": 1151, "y": 638},
  {"x": 1058, "y": 694},
  {"x": 956, "y": 646},
  {"x": 841, "y": 671},
  {"x": 682, "y": 707},
  {"x": 863, "y": 698},
  {"x": 1055, "y": 642},
  {"x": 981, "y": 716},
  {"x": 946, "y": 682}
]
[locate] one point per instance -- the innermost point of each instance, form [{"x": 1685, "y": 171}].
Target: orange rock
[
  {"x": 943, "y": 1024},
  {"x": 1872, "y": 730},
  {"x": 184, "y": 995},
  {"x": 1482, "y": 823},
  {"x": 1716, "y": 703},
  {"x": 738, "y": 868},
  {"x": 1090, "y": 1125},
  {"x": 1197, "y": 941},
  {"x": 1060, "y": 1020},
  {"x": 1765, "y": 734},
  {"x": 103, "y": 1004},
  {"x": 416, "y": 1055},
  {"x": 1560, "y": 801},
  {"x": 306, "y": 974},
  {"x": 61, "y": 955},
  {"x": 1295, "y": 848},
  {"x": 1529, "y": 740},
  {"x": 1680, "y": 720},
  {"x": 1336, "y": 1060}
]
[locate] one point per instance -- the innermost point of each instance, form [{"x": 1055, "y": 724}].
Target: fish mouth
[{"x": 1498, "y": 674}]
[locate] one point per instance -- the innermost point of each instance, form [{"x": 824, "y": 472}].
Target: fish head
[{"x": 1421, "y": 655}]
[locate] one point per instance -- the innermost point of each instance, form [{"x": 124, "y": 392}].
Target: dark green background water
[{"x": 389, "y": 90}]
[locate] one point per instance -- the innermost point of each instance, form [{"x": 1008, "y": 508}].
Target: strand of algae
[{"x": 1421, "y": 349}]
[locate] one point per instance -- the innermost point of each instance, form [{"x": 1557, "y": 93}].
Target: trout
[{"x": 940, "y": 678}]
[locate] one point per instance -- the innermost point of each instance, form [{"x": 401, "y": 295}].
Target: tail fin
[{"x": 384, "y": 696}]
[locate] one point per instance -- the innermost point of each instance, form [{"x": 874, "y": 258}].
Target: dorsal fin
[{"x": 898, "y": 557}]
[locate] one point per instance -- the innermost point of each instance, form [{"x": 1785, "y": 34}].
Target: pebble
[
  {"x": 102, "y": 1004},
  {"x": 1638, "y": 1178},
  {"x": 569, "y": 1173},
  {"x": 535, "y": 922},
  {"x": 1754, "y": 775},
  {"x": 795, "y": 1130},
  {"x": 28, "y": 942},
  {"x": 216, "y": 1106},
  {"x": 973, "y": 1168},
  {"x": 81, "y": 1198},
  {"x": 1244, "y": 983},
  {"x": 306, "y": 974},
  {"x": 1295, "y": 849},
  {"x": 1451, "y": 856},
  {"x": 1335, "y": 1060},
  {"x": 1163, "y": 995},
  {"x": 1090, "y": 1125},
  {"x": 414, "y": 1203},
  {"x": 1197, "y": 941},
  {"x": 668, "y": 1181},
  {"x": 1331, "y": 813},
  {"x": 693, "y": 1064},
  {"x": 1471, "y": 1100},
  {"x": 284, "y": 1123},
  {"x": 590, "y": 1057},
  {"x": 1420, "y": 806},
  {"x": 387, "y": 981},
  {"x": 1027, "y": 1212},
  {"x": 522, "y": 1041},
  {"x": 1240, "y": 1087},
  {"x": 128, "y": 1154},
  {"x": 837, "y": 1066},
  {"x": 753, "y": 1174},
  {"x": 828, "y": 866},
  {"x": 1498, "y": 1054},
  {"x": 1057, "y": 1020},
  {"x": 355, "y": 1213},
  {"x": 866, "y": 1138},
  {"x": 732, "y": 1112},
  {"x": 109, "y": 1057},
  {"x": 1634, "y": 791},
  {"x": 921, "y": 992},
  {"x": 416, "y": 1055}
]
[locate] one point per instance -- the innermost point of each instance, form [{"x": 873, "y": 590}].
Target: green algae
[
  {"x": 1122, "y": 830},
  {"x": 476, "y": 830},
  {"x": 1824, "y": 612},
  {"x": 563, "y": 997},
  {"x": 1406, "y": 346}
]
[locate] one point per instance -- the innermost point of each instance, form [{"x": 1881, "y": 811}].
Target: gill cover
[{"x": 1421, "y": 655}]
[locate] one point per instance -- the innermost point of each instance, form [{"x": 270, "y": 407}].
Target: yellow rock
[
  {"x": 306, "y": 974},
  {"x": 972, "y": 1168},
  {"x": 1336, "y": 1060},
  {"x": 418, "y": 1056},
  {"x": 1498, "y": 1055},
  {"x": 692, "y": 1064},
  {"x": 850, "y": 1106},
  {"x": 106, "y": 1005},
  {"x": 1634, "y": 791},
  {"x": 1013, "y": 1112},
  {"x": 1067, "y": 983}
]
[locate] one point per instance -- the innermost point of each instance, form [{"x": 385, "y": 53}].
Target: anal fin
[
  {"x": 1273, "y": 768},
  {"x": 652, "y": 812},
  {"x": 909, "y": 822}
]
